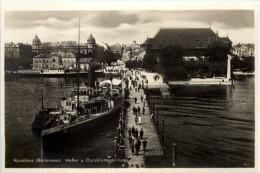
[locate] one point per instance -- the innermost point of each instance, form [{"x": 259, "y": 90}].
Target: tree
[
  {"x": 217, "y": 52},
  {"x": 171, "y": 61}
]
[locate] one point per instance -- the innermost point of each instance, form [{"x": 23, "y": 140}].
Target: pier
[{"x": 154, "y": 153}]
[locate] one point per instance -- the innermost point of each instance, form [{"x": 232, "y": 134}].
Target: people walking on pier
[
  {"x": 141, "y": 133},
  {"x": 135, "y": 100},
  {"x": 143, "y": 110},
  {"x": 144, "y": 145},
  {"x": 142, "y": 98}
]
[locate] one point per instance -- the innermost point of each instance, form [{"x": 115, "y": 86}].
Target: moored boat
[{"x": 94, "y": 104}]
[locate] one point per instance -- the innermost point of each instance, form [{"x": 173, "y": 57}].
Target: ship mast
[{"x": 78, "y": 71}]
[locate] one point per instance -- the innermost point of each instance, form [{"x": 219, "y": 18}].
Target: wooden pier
[{"x": 154, "y": 150}]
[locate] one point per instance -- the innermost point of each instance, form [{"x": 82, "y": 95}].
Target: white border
[{"x": 136, "y": 5}]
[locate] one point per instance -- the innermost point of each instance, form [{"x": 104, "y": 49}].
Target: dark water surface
[
  {"x": 212, "y": 126},
  {"x": 23, "y": 101}
]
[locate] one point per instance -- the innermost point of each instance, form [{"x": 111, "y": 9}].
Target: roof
[
  {"x": 85, "y": 60},
  {"x": 62, "y": 54},
  {"x": 184, "y": 37},
  {"x": 225, "y": 40},
  {"x": 148, "y": 41}
]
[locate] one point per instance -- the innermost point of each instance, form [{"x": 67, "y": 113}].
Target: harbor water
[{"x": 212, "y": 126}]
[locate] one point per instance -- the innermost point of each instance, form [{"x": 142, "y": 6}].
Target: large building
[
  {"x": 70, "y": 46},
  {"x": 54, "y": 60},
  {"x": 60, "y": 60},
  {"x": 18, "y": 50},
  {"x": 244, "y": 50},
  {"x": 194, "y": 41}
]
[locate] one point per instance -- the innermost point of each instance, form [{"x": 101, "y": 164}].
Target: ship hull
[{"x": 83, "y": 127}]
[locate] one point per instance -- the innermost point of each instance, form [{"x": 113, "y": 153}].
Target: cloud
[
  {"x": 122, "y": 26},
  {"x": 110, "y": 19}
]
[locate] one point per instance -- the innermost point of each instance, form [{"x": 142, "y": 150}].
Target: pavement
[{"x": 150, "y": 133}]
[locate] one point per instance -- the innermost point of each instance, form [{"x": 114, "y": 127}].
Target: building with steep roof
[{"x": 194, "y": 41}]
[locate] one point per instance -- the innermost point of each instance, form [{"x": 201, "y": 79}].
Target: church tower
[
  {"x": 36, "y": 44},
  {"x": 91, "y": 44}
]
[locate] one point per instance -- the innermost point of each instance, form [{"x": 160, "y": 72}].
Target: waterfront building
[
  {"x": 88, "y": 48},
  {"x": 18, "y": 51},
  {"x": 194, "y": 41},
  {"x": 55, "y": 60},
  {"x": 243, "y": 50}
]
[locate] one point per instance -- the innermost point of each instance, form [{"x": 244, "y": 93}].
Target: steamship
[{"x": 79, "y": 107}]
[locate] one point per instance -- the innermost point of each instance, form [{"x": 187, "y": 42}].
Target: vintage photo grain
[{"x": 129, "y": 88}]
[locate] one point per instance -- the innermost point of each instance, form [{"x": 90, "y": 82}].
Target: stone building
[
  {"x": 66, "y": 46},
  {"x": 55, "y": 60},
  {"x": 244, "y": 50},
  {"x": 17, "y": 51}
]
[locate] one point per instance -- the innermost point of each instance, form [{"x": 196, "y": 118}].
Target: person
[
  {"x": 142, "y": 98},
  {"x": 151, "y": 117},
  {"x": 139, "y": 120},
  {"x": 130, "y": 140},
  {"x": 129, "y": 131},
  {"x": 135, "y": 89},
  {"x": 143, "y": 110},
  {"x": 138, "y": 109},
  {"x": 144, "y": 145},
  {"x": 132, "y": 148},
  {"x": 133, "y": 130},
  {"x": 133, "y": 109},
  {"x": 141, "y": 133},
  {"x": 136, "y": 120},
  {"x": 136, "y": 133},
  {"x": 136, "y": 149},
  {"x": 138, "y": 144},
  {"x": 135, "y": 100}
]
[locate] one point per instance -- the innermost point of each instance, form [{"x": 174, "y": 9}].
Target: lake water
[{"x": 212, "y": 126}]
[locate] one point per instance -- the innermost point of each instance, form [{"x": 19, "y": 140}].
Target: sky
[{"x": 123, "y": 27}]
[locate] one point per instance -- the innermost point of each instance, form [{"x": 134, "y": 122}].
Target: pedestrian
[
  {"x": 136, "y": 120},
  {"x": 139, "y": 120},
  {"x": 136, "y": 133},
  {"x": 143, "y": 110},
  {"x": 133, "y": 109},
  {"x": 133, "y": 130},
  {"x": 129, "y": 131},
  {"x": 138, "y": 109},
  {"x": 133, "y": 148},
  {"x": 144, "y": 145},
  {"x": 151, "y": 117},
  {"x": 135, "y": 89},
  {"x": 130, "y": 140},
  {"x": 142, "y": 98},
  {"x": 138, "y": 144},
  {"x": 135, "y": 100},
  {"x": 136, "y": 149},
  {"x": 141, "y": 134}
]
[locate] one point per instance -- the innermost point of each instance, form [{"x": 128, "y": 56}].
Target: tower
[
  {"x": 91, "y": 44},
  {"x": 36, "y": 44}
]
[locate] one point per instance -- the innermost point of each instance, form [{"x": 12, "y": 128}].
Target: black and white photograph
[{"x": 118, "y": 87}]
